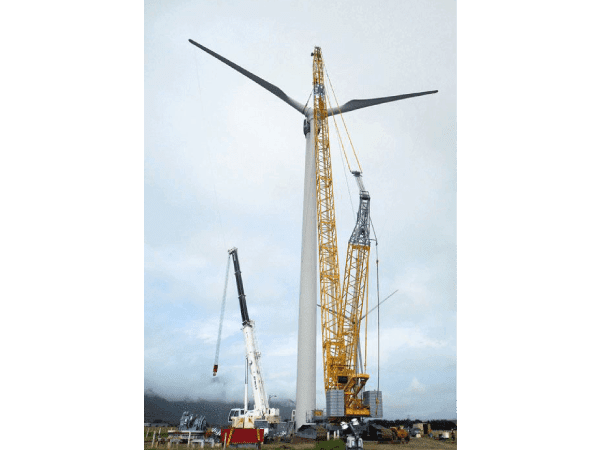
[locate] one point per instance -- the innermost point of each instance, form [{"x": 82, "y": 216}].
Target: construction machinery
[
  {"x": 354, "y": 440},
  {"x": 341, "y": 306},
  {"x": 192, "y": 430},
  {"x": 192, "y": 422},
  {"x": 262, "y": 415}
]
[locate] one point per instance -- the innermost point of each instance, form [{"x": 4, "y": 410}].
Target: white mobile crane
[{"x": 244, "y": 418}]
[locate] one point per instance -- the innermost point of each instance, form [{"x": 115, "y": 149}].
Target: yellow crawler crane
[{"x": 341, "y": 309}]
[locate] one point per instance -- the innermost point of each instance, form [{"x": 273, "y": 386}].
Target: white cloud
[
  {"x": 416, "y": 386},
  {"x": 207, "y": 330}
]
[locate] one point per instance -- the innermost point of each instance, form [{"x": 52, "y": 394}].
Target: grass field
[{"x": 424, "y": 443}]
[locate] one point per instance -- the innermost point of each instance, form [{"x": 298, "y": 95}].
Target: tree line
[{"x": 445, "y": 425}]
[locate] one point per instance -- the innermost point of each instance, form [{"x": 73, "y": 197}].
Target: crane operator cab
[{"x": 235, "y": 412}]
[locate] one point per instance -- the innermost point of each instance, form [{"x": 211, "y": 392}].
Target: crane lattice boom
[
  {"x": 341, "y": 308},
  {"x": 329, "y": 274}
]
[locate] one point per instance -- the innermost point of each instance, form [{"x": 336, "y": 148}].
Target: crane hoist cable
[
  {"x": 370, "y": 219},
  {"x": 342, "y": 154},
  {"x": 378, "y": 304},
  {"x": 306, "y": 104},
  {"x": 342, "y": 117},
  {"x": 216, "y": 366},
  {"x": 339, "y": 135}
]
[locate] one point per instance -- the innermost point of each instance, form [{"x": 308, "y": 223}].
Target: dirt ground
[
  {"x": 424, "y": 443},
  {"x": 421, "y": 443}
]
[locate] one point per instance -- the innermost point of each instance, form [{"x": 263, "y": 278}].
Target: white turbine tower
[{"x": 307, "y": 320}]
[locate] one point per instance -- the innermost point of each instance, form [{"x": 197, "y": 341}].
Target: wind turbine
[{"x": 307, "y": 319}]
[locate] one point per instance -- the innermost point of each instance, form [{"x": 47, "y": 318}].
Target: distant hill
[{"x": 157, "y": 407}]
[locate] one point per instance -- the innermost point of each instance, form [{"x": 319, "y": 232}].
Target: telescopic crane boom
[{"x": 261, "y": 400}]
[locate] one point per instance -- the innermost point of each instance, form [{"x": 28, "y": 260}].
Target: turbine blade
[
  {"x": 265, "y": 84},
  {"x": 358, "y": 104}
]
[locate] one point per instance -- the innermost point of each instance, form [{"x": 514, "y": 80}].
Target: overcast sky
[{"x": 224, "y": 167}]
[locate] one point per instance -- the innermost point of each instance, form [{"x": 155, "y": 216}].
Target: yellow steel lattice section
[
  {"x": 354, "y": 290},
  {"x": 329, "y": 276}
]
